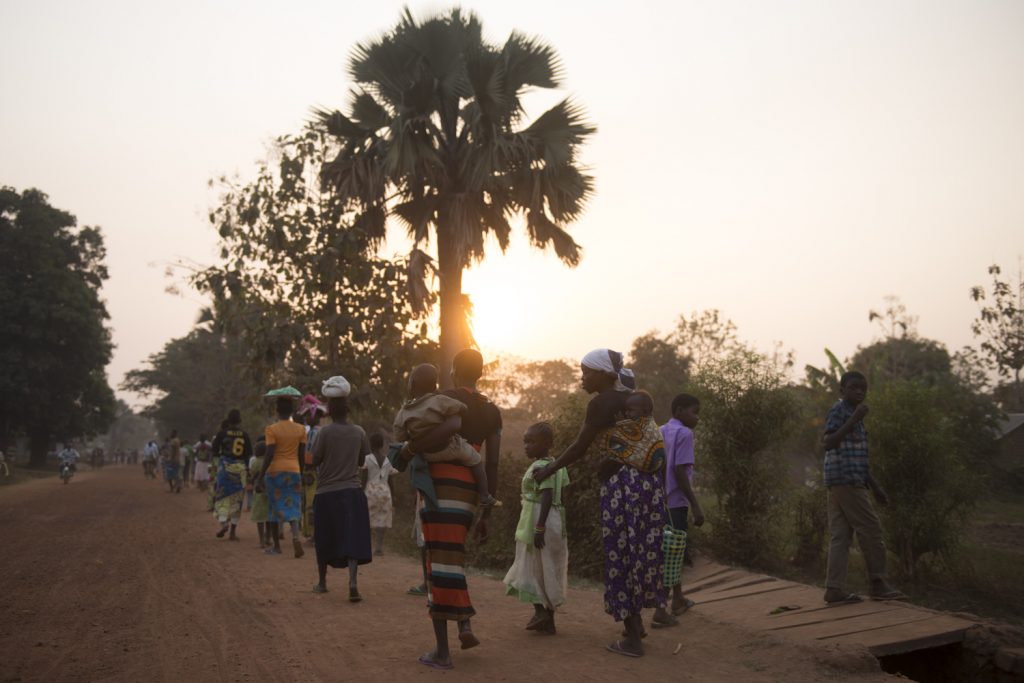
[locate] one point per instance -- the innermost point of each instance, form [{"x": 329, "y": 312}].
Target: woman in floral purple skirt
[{"x": 632, "y": 507}]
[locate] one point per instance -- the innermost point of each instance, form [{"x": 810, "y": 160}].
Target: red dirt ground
[{"x": 113, "y": 578}]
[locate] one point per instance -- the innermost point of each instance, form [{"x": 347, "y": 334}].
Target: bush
[
  {"x": 746, "y": 413},
  {"x": 921, "y": 462}
]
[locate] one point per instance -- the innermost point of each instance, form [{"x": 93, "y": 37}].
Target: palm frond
[
  {"x": 544, "y": 232},
  {"x": 530, "y": 62},
  {"x": 337, "y": 124},
  {"x": 368, "y": 112}
]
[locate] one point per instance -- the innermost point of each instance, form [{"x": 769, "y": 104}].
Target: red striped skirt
[{"x": 444, "y": 535}]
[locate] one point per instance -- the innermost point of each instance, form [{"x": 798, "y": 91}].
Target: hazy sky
[{"x": 790, "y": 163}]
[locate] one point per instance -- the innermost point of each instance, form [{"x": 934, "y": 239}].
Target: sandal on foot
[
  {"x": 428, "y": 660},
  {"x": 468, "y": 640},
  {"x": 687, "y": 604},
  {"x": 353, "y": 594},
  {"x": 223, "y": 530},
  {"x": 272, "y": 551},
  {"x": 536, "y": 621},
  {"x": 319, "y": 589},
  {"x": 617, "y": 648},
  {"x": 847, "y": 599},
  {"x": 416, "y": 590},
  {"x": 889, "y": 595},
  {"x": 665, "y": 624}
]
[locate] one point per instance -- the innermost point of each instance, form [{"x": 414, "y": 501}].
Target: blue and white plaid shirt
[{"x": 847, "y": 463}]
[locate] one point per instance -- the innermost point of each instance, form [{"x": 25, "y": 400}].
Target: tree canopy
[
  {"x": 54, "y": 341},
  {"x": 301, "y": 287},
  {"x": 435, "y": 137}
]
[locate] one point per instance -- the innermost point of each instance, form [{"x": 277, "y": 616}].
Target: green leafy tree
[
  {"x": 530, "y": 390},
  {"x": 301, "y": 287},
  {"x": 435, "y": 136},
  {"x": 54, "y": 342},
  {"x": 1000, "y": 326},
  {"x": 194, "y": 380}
]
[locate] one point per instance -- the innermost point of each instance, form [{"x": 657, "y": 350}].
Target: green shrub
[
  {"x": 746, "y": 413},
  {"x": 922, "y": 464}
]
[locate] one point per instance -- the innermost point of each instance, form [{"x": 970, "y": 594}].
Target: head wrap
[
  {"x": 608, "y": 362},
  {"x": 336, "y": 387},
  {"x": 311, "y": 404},
  {"x": 627, "y": 378}
]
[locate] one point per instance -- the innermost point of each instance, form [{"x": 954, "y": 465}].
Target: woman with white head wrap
[{"x": 632, "y": 506}]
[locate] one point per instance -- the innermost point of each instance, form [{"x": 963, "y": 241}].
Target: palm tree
[{"x": 434, "y": 137}]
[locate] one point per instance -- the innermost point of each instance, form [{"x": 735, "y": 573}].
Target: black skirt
[{"x": 341, "y": 527}]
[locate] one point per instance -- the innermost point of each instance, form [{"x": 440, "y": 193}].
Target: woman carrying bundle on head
[
  {"x": 282, "y": 474},
  {"x": 341, "y": 517}
]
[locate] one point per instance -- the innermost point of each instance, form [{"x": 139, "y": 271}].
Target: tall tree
[
  {"x": 434, "y": 137},
  {"x": 54, "y": 343},
  {"x": 194, "y": 380},
  {"x": 1000, "y": 326}
]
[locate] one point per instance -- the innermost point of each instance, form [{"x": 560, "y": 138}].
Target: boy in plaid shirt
[{"x": 848, "y": 479}]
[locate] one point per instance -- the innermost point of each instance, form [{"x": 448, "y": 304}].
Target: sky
[{"x": 790, "y": 163}]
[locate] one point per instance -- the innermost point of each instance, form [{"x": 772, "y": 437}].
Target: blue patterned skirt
[{"x": 284, "y": 494}]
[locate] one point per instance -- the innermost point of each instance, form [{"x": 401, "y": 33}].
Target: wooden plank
[
  {"x": 754, "y": 608},
  {"x": 861, "y": 623},
  {"x": 704, "y": 598},
  {"x": 786, "y": 620},
  {"x": 738, "y": 582},
  {"x": 928, "y": 633},
  {"x": 714, "y": 580},
  {"x": 701, "y": 573}
]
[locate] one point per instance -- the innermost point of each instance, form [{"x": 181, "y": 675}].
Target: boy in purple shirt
[{"x": 679, "y": 464}]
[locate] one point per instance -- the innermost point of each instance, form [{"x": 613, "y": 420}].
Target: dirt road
[{"x": 112, "y": 578}]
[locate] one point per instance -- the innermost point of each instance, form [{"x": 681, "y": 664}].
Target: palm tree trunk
[{"x": 453, "y": 313}]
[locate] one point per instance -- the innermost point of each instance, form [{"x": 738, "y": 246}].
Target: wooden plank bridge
[{"x": 758, "y": 602}]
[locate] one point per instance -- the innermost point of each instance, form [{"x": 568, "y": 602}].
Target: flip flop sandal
[
  {"x": 664, "y": 624},
  {"x": 848, "y": 599},
  {"x": 617, "y": 648},
  {"x": 353, "y": 595},
  {"x": 220, "y": 534},
  {"x": 428, "y": 660},
  {"x": 416, "y": 590},
  {"x": 687, "y": 604},
  {"x": 319, "y": 589},
  {"x": 890, "y": 596},
  {"x": 468, "y": 640}
]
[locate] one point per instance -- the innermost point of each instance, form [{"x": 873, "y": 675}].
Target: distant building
[{"x": 1011, "y": 443}]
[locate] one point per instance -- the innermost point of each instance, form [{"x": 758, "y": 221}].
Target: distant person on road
[
  {"x": 540, "y": 573},
  {"x": 234, "y": 449},
  {"x": 679, "y": 467},
  {"x": 172, "y": 463},
  {"x": 201, "y": 467},
  {"x": 341, "y": 516},
  {"x": 848, "y": 479},
  {"x": 69, "y": 456},
  {"x": 282, "y": 475}
]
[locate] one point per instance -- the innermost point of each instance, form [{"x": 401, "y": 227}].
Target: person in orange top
[{"x": 282, "y": 474}]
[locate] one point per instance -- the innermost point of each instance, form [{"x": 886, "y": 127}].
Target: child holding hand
[{"x": 539, "y": 574}]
